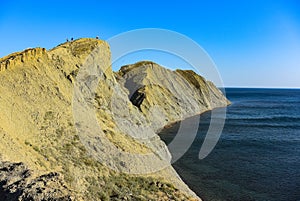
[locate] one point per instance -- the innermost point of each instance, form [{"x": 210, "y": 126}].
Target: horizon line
[{"x": 259, "y": 87}]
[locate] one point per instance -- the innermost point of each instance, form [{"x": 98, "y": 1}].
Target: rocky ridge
[
  {"x": 64, "y": 160},
  {"x": 166, "y": 96}
]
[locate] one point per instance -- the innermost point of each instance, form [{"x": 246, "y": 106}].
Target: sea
[{"x": 258, "y": 154}]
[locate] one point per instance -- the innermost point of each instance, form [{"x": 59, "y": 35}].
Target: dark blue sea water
[{"x": 258, "y": 154}]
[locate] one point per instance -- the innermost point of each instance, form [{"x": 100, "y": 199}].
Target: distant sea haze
[{"x": 258, "y": 155}]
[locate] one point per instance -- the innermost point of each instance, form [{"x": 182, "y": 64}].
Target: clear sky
[{"x": 253, "y": 43}]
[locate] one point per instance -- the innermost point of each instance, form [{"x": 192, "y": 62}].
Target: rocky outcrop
[
  {"x": 72, "y": 129},
  {"x": 16, "y": 183},
  {"x": 166, "y": 96},
  {"x": 40, "y": 97},
  {"x": 18, "y": 59}
]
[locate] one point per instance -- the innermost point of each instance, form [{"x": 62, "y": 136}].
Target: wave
[
  {"x": 291, "y": 126},
  {"x": 267, "y": 118}
]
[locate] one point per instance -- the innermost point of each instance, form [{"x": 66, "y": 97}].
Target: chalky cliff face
[
  {"x": 166, "y": 96},
  {"x": 47, "y": 153}
]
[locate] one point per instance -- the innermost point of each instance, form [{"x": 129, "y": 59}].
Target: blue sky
[{"x": 253, "y": 43}]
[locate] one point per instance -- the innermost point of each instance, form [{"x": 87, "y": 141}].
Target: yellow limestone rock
[{"x": 46, "y": 150}]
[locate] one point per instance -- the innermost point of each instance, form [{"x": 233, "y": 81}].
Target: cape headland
[{"x": 49, "y": 153}]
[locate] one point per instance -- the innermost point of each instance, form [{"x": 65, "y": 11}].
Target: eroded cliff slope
[
  {"x": 69, "y": 130},
  {"x": 49, "y": 149},
  {"x": 166, "y": 96}
]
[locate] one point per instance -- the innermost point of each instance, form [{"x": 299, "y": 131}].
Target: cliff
[
  {"x": 70, "y": 132},
  {"x": 166, "y": 96}
]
